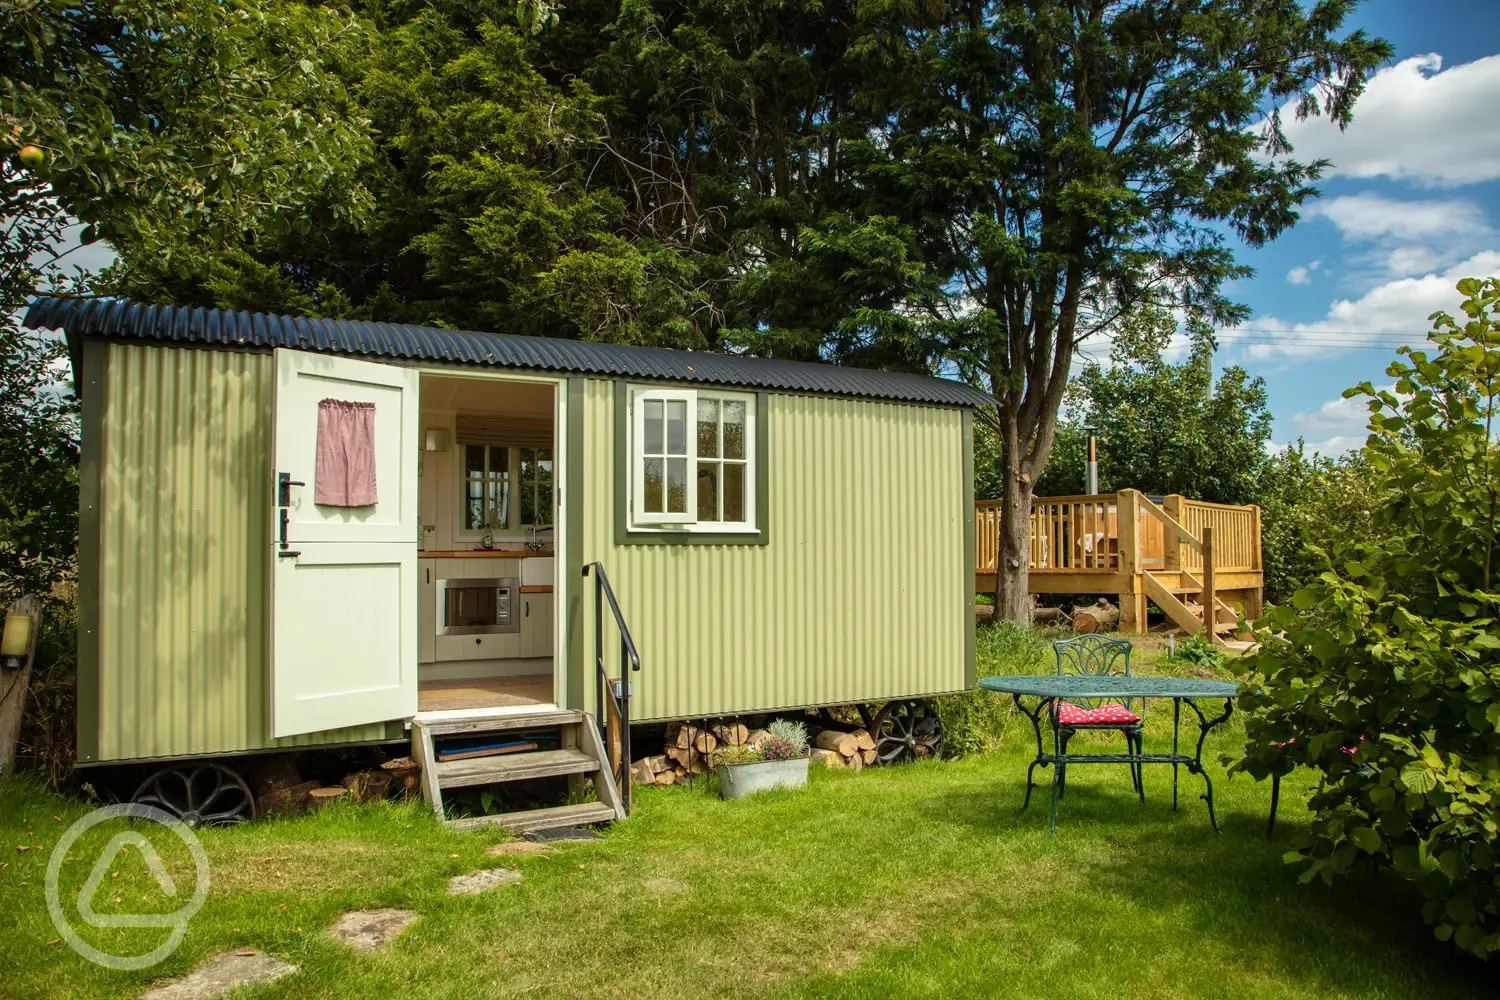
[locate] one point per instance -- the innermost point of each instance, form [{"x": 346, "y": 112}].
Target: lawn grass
[{"x": 922, "y": 881}]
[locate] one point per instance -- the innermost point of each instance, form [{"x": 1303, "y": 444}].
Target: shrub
[
  {"x": 785, "y": 739},
  {"x": 1197, "y": 651},
  {"x": 1393, "y": 650}
]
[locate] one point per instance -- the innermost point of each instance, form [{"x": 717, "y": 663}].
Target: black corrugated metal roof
[{"x": 135, "y": 320}]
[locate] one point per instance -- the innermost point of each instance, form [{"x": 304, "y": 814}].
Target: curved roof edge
[{"x": 124, "y": 319}]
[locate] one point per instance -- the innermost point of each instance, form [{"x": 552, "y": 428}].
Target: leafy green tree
[
  {"x": 177, "y": 129},
  {"x": 1061, "y": 164},
  {"x": 1385, "y": 672},
  {"x": 728, "y": 131},
  {"x": 488, "y": 208},
  {"x": 1309, "y": 503},
  {"x": 1171, "y": 428}
]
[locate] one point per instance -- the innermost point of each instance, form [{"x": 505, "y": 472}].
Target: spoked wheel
[
  {"x": 907, "y": 730},
  {"x": 205, "y": 795}
]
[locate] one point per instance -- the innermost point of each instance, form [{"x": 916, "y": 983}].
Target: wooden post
[
  {"x": 1210, "y": 604},
  {"x": 1133, "y": 596},
  {"x": 1171, "y": 548},
  {"x": 613, "y": 727},
  {"x": 14, "y": 683}
]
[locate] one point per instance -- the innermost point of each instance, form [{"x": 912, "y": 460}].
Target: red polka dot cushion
[{"x": 1069, "y": 714}]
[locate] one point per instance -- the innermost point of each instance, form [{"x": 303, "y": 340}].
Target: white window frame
[
  {"x": 462, "y": 530},
  {"x": 688, "y": 522}
]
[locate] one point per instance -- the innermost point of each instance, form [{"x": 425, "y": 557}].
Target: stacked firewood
[
  {"x": 690, "y": 750},
  {"x": 836, "y": 748}
]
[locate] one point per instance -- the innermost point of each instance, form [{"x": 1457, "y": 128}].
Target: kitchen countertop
[{"x": 483, "y": 554}]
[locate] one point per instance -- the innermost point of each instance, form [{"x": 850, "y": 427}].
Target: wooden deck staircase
[
  {"x": 580, "y": 751},
  {"x": 1188, "y": 614}
]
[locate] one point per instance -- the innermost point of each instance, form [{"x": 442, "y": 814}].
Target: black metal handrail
[{"x": 617, "y": 690}]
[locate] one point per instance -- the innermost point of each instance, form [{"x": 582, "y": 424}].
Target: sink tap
[{"x": 534, "y": 544}]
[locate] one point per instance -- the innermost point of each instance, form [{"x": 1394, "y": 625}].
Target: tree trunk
[{"x": 1012, "y": 597}]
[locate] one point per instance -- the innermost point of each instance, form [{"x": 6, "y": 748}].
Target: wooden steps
[
  {"x": 500, "y": 723},
  {"x": 513, "y": 767},
  {"x": 579, "y": 750},
  {"x": 1188, "y": 615},
  {"x": 533, "y": 820}
]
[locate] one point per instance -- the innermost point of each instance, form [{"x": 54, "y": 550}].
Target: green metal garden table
[{"x": 1052, "y": 688}]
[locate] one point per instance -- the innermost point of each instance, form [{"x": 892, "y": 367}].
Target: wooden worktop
[
  {"x": 483, "y": 554},
  {"x": 537, "y": 588}
]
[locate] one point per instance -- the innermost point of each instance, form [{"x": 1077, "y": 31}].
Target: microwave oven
[{"x": 470, "y": 607}]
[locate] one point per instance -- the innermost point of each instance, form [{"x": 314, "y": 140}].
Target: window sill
[{"x": 681, "y": 535}]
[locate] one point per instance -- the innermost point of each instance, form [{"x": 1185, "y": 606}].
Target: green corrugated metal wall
[
  {"x": 184, "y": 541},
  {"x": 861, "y": 594}
]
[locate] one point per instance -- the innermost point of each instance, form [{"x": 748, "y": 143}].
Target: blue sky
[{"x": 1411, "y": 204}]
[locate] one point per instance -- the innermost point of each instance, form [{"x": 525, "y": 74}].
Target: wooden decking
[
  {"x": 483, "y": 692},
  {"x": 1175, "y": 553}
]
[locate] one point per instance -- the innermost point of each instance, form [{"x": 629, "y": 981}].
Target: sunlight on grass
[{"x": 924, "y": 880}]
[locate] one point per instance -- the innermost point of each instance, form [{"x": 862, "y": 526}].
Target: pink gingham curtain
[{"x": 345, "y": 475}]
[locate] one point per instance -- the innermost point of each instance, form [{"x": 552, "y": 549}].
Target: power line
[{"x": 1358, "y": 333}]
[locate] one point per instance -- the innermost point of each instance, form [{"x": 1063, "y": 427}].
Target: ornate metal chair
[{"x": 1096, "y": 656}]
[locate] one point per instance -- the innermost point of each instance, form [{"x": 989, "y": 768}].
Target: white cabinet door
[
  {"x": 536, "y": 624},
  {"x": 344, "y": 579},
  {"x": 427, "y": 610}
]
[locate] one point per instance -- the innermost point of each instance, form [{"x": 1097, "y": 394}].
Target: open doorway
[{"x": 487, "y": 623}]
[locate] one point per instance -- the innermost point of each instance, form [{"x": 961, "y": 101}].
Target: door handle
[{"x": 284, "y": 484}]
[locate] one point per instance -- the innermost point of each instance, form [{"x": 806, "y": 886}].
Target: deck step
[
  {"x": 501, "y": 723},
  {"x": 513, "y": 767},
  {"x": 531, "y": 820}
]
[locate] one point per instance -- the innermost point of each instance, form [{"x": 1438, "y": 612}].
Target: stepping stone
[
  {"x": 476, "y": 882},
  {"x": 221, "y": 974},
  {"x": 562, "y": 833},
  {"x": 367, "y": 930},
  {"x": 518, "y": 847}
]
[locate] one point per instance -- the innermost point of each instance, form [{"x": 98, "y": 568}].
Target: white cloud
[
  {"x": 1369, "y": 216},
  {"x": 1406, "y": 261},
  {"x": 1415, "y": 121},
  {"x": 1298, "y": 276},
  {"x": 1337, "y": 426},
  {"x": 1400, "y": 306}
]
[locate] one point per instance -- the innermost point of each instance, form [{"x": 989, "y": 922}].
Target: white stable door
[{"x": 344, "y": 579}]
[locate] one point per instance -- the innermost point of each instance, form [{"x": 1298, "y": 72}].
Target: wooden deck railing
[
  {"x": 1236, "y": 535},
  {"x": 1081, "y": 534}
]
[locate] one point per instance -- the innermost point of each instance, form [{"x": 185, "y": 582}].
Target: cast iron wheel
[
  {"x": 202, "y": 795},
  {"x": 907, "y": 730}
]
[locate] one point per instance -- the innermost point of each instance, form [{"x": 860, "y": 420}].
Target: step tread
[
  {"x": 513, "y": 767},
  {"x": 531, "y": 820},
  {"x": 500, "y": 723}
]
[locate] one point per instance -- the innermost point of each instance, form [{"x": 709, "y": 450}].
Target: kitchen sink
[{"x": 536, "y": 571}]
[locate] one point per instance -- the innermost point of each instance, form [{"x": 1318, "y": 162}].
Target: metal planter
[{"x": 736, "y": 781}]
